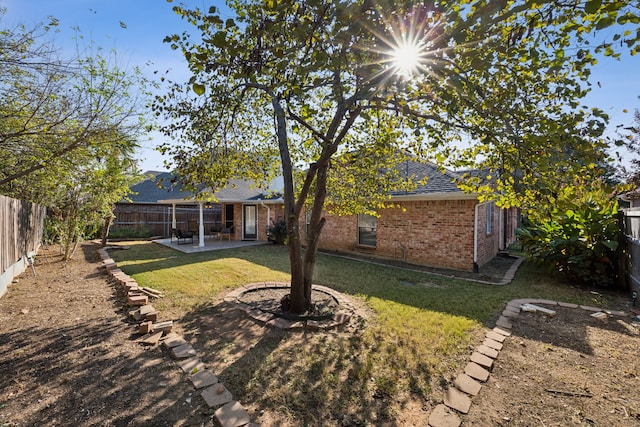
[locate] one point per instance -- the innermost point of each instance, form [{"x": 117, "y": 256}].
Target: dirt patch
[
  {"x": 68, "y": 355},
  {"x": 570, "y": 369},
  {"x": 268, "y": 300}
]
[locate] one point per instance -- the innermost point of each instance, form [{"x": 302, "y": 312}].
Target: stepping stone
[
  {"x": 165, "y": 327},
  {"x": 217, "y": 395},
  {"x": 567, "y": 305},
  {"x": 183, "y": 351},
  {"x": 492, "y": 344},
  {"x": 202, "y": 379},
  {"x": 138, "y": 300},
  {"x": 502, "y": 331},
  {"x": 487, "y": 351},
  {"x": 467, "y": 384},
  {"x": 173, "y": 341},
  {"x": 457, "y": 400},
  {"x": 442, "y": 416},
  {"x": 504, "y": 322},
  {"x": 145, "y": 327},
  {"x": 493, "y": 335},
  {"x": 191, "y": 365},
  {"x": 481, "y": 360},
  {"x": 232, "y": 414},
  {"x": 510, "y": 313},
  {"x": 588, "y": 308},
  {"x": 146, "y": 309},
  {"x": 476, "y": 371},
  {"x": 153, "y": 339}
]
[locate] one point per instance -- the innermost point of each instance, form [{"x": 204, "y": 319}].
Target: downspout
[
  {"x": 268, "y": 212},
  {"x": 501, "y": 234},
  {"x": 475, "y": 238}
]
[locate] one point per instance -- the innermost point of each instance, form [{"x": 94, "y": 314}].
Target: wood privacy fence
[
  {"x": 157, "y": 218},
  {"x": 21, "y": 230},
  {"x": 631, "y": 229}
]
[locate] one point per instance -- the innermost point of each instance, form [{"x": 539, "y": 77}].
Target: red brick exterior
[{"x": 436, "y": 233}]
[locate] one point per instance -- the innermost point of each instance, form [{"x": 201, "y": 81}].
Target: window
[
  {"x": 367, "y": 225},
  {"x": 489, "y": 218},
  {"x": 307, "y": 221}
]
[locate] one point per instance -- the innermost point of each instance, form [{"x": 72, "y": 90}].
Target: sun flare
[{"x": 406, "y": 58}]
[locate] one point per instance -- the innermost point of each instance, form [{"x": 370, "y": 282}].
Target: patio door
[{"x": 250, "y": 222}]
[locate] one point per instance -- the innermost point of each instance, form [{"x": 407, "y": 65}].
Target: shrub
[
  {"x": 277, "y": 232},
  {"x": 137, "y": 232},
  {"x": 578, "y": 238}
]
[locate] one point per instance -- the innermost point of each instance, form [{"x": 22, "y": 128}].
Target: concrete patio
[{"x": 210, "y": 244}]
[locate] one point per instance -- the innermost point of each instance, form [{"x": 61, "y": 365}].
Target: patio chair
[
  {"x": 216, "y": 230},
  {"x": 181, "y": 235},
  {"x": 227, "y": 232}
]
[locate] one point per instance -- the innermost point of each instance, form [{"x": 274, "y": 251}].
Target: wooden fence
[
  {"x": 631, "y": 223},
  {"x": 21, "y": 230}
]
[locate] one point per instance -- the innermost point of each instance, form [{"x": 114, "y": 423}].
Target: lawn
[{"x": 418, "y": 337}]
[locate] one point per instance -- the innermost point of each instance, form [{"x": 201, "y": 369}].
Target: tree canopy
[
  {"x": 68, "y": 128},
  {"x": 325, "y": 93}
]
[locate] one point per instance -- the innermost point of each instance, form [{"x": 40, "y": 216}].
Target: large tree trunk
[
  {"x": 316, "y": 223},
  {"x": 105, "y": 230},
  {"x": 298, "y": 302}
]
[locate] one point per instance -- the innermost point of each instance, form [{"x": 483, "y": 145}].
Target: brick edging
[
  {"x": 268, "y": 319},
  {"x": 229, "y": 412},
  {"x": 458, "y": 398}
]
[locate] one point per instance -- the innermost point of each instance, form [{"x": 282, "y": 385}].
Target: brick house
[{"x": 436, "y": 225}]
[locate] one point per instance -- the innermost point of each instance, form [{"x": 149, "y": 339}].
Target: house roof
[
  {"x": 441, "y": 183},
  {"x": 164, "y": 187},
  {"x": 158, "y": 186}
]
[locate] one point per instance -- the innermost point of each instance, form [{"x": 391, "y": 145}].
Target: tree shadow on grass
[{"x": 299, "y": 378}]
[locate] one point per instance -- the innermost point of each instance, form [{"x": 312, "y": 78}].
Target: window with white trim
[{"x": 489, "y": 218}]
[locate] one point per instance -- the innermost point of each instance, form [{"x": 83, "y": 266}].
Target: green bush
[
  {"x": 277, "y": 232},
  {"x": 578, "y": 238},
  {"x": 137, "y": 232}
]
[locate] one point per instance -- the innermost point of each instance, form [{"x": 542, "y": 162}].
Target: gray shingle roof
[
  {"x": 158, "y": 187},
  {"x": 438, "y": 181}
]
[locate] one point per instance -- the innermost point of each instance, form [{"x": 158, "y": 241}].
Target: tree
[
  {"x": 68, "y": 129},
  {"x": 326, "y": 89}
]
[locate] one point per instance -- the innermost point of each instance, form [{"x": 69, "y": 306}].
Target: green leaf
[
  {"x": 592, "y": 6},
  {"x": 198, "y": 89}
]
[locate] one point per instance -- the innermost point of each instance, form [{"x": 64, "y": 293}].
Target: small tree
[
  {"x": 341, "y": 92},
  {"x": 68, "y": 130}
]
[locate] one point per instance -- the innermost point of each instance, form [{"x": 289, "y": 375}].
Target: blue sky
[{"x": 149, "y": 21}]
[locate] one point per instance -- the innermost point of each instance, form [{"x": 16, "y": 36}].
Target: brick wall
[{"x": 436, "y": 233}]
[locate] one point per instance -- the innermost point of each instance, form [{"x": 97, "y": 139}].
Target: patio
[{"x": 210, "y": 244}]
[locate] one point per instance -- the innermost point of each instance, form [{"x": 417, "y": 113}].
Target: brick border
[
  {"x": 229, "y": 412},
  {"x": 268, "y": 319},
  {"x": 458, "y": 398}
]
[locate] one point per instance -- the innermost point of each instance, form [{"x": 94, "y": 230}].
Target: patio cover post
[
  {"x": 200, "y": 227},
  {"x": 173, "y": 216}
]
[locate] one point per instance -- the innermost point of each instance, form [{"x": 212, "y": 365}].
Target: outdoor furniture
[
  {"x": 216, "y": 230},
  {"x": 181, "y": 235},
  {"x": 227, "y": 232}
]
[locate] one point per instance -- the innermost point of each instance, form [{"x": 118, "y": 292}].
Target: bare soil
[
  {"x": 69, "y": 355},
  {"x": 567, "y": 370}
]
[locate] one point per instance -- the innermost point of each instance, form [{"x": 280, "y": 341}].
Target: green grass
[{"x": 417, "y": 340}]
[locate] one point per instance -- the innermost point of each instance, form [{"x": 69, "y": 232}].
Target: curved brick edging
[
  {"x": 457, "y": 399},
  {"x": 340, "y": 318},
  {"x": 229, "y": 412}
]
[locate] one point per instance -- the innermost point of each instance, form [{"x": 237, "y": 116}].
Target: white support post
[{"x": 201, "y": 227}]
